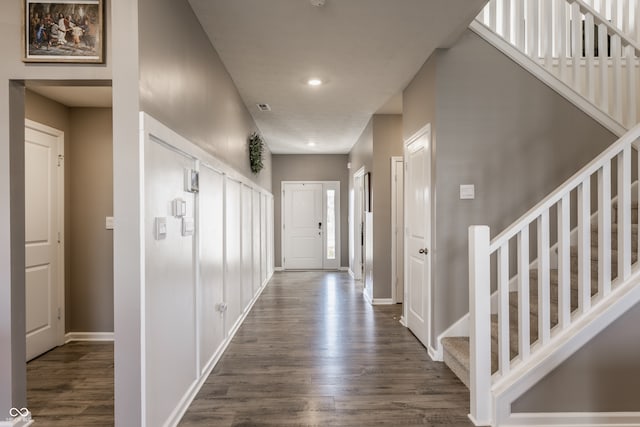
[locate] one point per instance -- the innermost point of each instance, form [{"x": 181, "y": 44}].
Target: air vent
[{"x": 264, "y": 107}]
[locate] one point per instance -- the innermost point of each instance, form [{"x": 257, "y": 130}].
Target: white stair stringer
[
  {"x": 523, "y": 376},
  {"x": 548, "y": 78}
]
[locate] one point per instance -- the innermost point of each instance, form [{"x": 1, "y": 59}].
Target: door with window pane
[{"x": 311, "y": 225}]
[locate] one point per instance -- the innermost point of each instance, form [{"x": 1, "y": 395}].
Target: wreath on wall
[{"x": 256, "y": 148}]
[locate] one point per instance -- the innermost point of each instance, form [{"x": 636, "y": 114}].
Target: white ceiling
[{"x": 366, "y": 51}]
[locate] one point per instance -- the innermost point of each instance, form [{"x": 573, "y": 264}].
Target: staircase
[
  {"x": 456, "y": 349},
  {"x": 566, "y": 269}
]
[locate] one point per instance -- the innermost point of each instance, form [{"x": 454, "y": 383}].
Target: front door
[
  {"x": 418, "y": 234},
  {"x": 43, "y": 238},
  {"x": 302, "y": 225}
]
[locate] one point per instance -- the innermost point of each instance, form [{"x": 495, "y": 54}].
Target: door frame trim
[
  {"x": 394, "y": 225},
  {"x": 405, "y": 310},
  {"x": 59, "y": 136},
  {"x": 324, "y": 239},
  {"x": 358, "y": 214}
]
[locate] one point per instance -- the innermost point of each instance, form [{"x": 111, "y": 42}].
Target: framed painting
[{"x": 63, "y": 31}]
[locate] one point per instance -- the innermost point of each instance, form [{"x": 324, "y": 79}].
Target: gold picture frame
[{"x": 63, "y": 31}]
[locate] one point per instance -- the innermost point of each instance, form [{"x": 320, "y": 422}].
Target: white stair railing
[
  {"x": 590, "y": 45},
  {"x": 510, "y": 255}
]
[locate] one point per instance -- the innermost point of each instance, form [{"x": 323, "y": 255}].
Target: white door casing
[
  {"x": 417, "y": 306},
  {"x": 44, "y": 232},
  {"x": 311, "y": 225},
  {"x": 397, "y": 228},
  {"x": 358, "y": 224}
]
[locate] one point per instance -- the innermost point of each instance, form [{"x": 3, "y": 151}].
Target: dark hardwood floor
[
  {"x": 72, "y": 385},
  {"x": 313, "y": 353}
]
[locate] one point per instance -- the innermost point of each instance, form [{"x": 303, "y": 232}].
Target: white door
[
  {"x": 302, "y": 225},
  {"x": 358, "y": 224},
  {"x": 397, "y": 227},
  {"x": 43, "y": 238},
  {"x": 418, "y": 234}
]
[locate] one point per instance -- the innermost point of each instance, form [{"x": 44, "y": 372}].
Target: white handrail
[
  {"x": 575, "y": 42},
  {"x": 482, "y": 251}
]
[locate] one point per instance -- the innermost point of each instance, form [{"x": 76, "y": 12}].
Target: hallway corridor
[{"x": 312, "y": 352}]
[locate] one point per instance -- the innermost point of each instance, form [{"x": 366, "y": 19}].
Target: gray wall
[
  {"x": 12, "y": 74},
  {"x": 88, "y": 200},
  {"x": 184, "y": 85},
  {"x": 601, "y": 377},
  {"x": 387, "y": 142},
  {"x": 90, "y": 290},
  {"x": 498, "y": 128},
  {"x": 311, "y": 167},
  {"x": 380, "y": 140}
]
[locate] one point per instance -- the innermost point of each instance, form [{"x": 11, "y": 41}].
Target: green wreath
[{"x": 256, "y": 148}]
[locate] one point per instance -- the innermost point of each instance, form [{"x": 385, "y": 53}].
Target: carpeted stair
[{"x": 456, "y": 349}]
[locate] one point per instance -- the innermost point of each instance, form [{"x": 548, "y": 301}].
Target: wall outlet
[{"x": 109, "y": 224}]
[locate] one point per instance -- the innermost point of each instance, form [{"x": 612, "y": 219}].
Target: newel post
[{"x": 480, "y": 325}]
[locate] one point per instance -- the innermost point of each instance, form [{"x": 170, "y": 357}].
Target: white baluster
[
  {"x": 493, "y": 15},
  {"x": 518, "y": 24},
  {"x": 560, "y": 37},
  {"x": 532, "y": 29},
  {"x": 604, "y": 230},
  {"x": 544, "y": 297},
  {"x": 504, "y": 353},
  {"x": 506, "y": 21},
  {"x": 632, "y": 101},
  {"x": 624, "y": 213},
  {"x": 603, "y": 57},
  {"x": 576, "y": 46},
  {"x": 617, "y": 77},
  {"x": 480, "y": 325},
  {"x": 584, "y": 245},
  {"x": 524, "y": 307},
  {"x": 589, "y": 52},
  {"x": 564, "y": 262},
  {"x": 546, "y": 36}
]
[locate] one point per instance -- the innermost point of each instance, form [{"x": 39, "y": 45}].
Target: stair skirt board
[
  {"x": 561, "y": 419},
  {"x": 88, "y": 336},
  {"x": 16, "y": 422}
]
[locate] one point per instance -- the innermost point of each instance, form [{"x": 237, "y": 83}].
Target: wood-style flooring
[
  {"x": 72, "y": 385},
  {"x": 312, "y": 352}
]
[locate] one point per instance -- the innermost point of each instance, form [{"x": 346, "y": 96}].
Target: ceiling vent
[{"x": 263, "y": 107}]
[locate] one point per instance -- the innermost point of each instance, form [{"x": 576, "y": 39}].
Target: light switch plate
[
  {"x": 467, "y": 192},
  {"x": 161, "y": 228},
  {"x": 179, "y": 208},
  {"x": 109, "y": 223}
]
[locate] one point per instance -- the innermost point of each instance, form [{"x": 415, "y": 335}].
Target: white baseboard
[
  {"x": 573, "y": 419},
  {"x": 403, "y": 321},
  {"x": 278, "y": 269},
  {"x": 435, "y": 354},
  {"x": 458, "y": 329},
  {"x": 383, "y": 301},
  {"x": 88, "y": 336},
  {"x": 343, "y": 269}
]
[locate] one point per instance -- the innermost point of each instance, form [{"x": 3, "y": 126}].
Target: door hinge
[
  {"x": 59, "y": 237},
  {"x": 60, "y": 159},
  {"x": 59, "y": 313}
]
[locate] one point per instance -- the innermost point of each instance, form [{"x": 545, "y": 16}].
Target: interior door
[
  {"x": 303, "y": 227},
  {"x": 43, "y": 234},
  {"x": 418, "y": 234}
]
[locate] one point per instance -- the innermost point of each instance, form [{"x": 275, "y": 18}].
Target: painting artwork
[{"x": 63, "y": 31}]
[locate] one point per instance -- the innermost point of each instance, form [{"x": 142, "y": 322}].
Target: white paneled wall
[{"x": 208, "y": 255}]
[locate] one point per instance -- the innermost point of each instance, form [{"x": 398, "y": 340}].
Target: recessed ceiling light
[
  {"x": 311, "y": 144},
  {"x": 314, "y": 82}
]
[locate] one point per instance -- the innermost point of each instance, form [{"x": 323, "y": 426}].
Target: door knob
[{"x": 423, "y": 251}]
